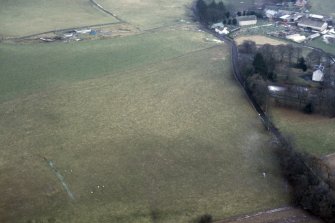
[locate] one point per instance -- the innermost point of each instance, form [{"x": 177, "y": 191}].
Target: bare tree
[
  {"x": 290, "y": 53},
  {"x": 281, "y": 49},
  {"x": 248, "y": 47},
  {"x": 314, "y": 58}
]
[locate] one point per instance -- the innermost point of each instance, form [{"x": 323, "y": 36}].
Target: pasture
[
  {"x": 146, "y": 128},
  {"x": 22, "y": 17},
  {"x": 47, "y": 65},
  {"x": 311, "y": 133},
  {"x": 149, "y": 14},
  {"x": 325, "y": 7}
]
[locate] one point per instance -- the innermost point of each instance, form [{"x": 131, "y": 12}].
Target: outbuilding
[
  {"x": 313, "y": 24},
  {"x": 246, "y": 20},
  {"x": 316, "y": 17},
  {"x": 318, "y": 75}
]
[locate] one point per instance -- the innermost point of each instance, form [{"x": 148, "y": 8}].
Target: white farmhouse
[
  {"x": 318, "y": 75},
  {"x": 246, "y": 20},
  {"x": 217, "y": 25}
]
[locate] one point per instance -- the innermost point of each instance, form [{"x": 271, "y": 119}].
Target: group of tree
[
  {"x": 260, "y": 67},
  {"x": 212, "y": 12},
  {"x": 311, "y": 181}
]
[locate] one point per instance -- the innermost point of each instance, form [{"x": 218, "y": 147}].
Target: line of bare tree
[{"x": 312, "y": 182}]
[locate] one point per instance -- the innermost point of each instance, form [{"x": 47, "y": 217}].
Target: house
[
  {"x": 222, "y": 31},
  {"x": 217, "y": 25},
  {"x": 313, "y": 24},
  {"x": 83, "y": 31},
  {"x": 318, "y": 75},
  {"x": 246, "y": 20}
]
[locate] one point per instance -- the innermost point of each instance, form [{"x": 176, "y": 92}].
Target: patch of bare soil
[
  {"x": 259, "y": 40},
  {"x": 280, "y": 215}
]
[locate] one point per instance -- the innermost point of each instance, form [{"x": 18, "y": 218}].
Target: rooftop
[
  {"x": 246, "y": 18},
  {"x": 312, "y": 23}
]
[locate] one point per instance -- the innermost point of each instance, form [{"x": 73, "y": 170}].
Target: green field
[
  {"x": 22, "y": 17},
  {"x": 155, "y": 120},
  {"x": 46, "y": 65},
  {"x": 318, "y": 43},
  {"x": 148, "y": 14},
  {"x": 325, "y": 7},
  {"x": 311, "y": 133}
]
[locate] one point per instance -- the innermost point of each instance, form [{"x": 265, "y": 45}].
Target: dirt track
[{"x": 280, "y": 215}]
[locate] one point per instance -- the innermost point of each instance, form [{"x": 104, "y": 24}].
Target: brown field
[{"x": 259, "y": 40}]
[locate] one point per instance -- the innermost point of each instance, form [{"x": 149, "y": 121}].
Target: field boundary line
[
  {"x": 246, "y": 216},
  {"x": 106, "y": 11}
]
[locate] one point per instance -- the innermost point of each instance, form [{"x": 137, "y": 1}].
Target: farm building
[
  {"x": 313, "y": 24},
  {"x": 314, "y": 36},
  {"x": 222, "y": 31},
  {"x": 318, "y": 75},
  {"x": 246, "y": 20},
  {"x": 316, "y": 17}
]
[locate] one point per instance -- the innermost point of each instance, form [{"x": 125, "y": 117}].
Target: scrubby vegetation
[
  {"x": 311, "y": 180},
  {"x": 212, "y": 12}
]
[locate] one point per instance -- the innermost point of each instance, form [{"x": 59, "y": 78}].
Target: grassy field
[
  {"x": 22, "y": 17},
  {"x": 318, "y": 43},
  {"x": 311, "y": 133},
  {"x": 325, "y": 7},
  {"x": 148, "y": 14},
  {"x": 138, "y": 135},
  {"x": 46, "y": 65}
]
